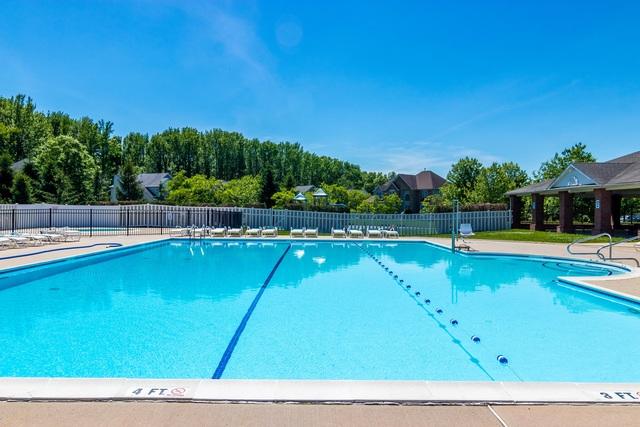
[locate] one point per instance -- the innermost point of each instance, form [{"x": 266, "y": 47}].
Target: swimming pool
[{"x": 321, "y": 310}]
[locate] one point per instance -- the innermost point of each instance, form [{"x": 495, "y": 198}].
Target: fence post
[
  {"x": 90, "y": 222},
  {"x": 13, "y": 220},
  {"x": 161, "y": 220},
  {"x": 127, "y": 210}
]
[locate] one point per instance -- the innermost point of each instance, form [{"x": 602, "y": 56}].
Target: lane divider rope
[{"x": 415, "y": 295}]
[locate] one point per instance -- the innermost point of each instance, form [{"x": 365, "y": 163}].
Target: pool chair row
[
  {"x": 358, "y": 232},
  {"x": 50, "y": 236},
  {"x": 223, "y": 232},
  {"x": 303, "y": 232}
]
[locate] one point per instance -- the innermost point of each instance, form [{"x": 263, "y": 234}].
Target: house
[
  {"x": 151, "y": 183},
  {"x": 412, "y": 189},
  {"x": 605, "y": 182}
]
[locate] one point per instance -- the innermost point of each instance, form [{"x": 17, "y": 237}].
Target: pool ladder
[{"x": 600, "y": 250}]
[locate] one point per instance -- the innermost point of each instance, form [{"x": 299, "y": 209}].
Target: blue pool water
[{"x": 321, "y": 310}]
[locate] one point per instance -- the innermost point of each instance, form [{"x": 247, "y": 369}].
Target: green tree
[
  {"x": 243, "y": 191},
  {"x": 551, "y": 169},
  {"x": 195, "y": 190},
  {"x": 22, "y": 190},
  {"x": 282, "y": 199},
  {"x": 390, "y": 204},
  {"x": 6, "y": 178},
  {"x": 494, "y": 181},
  {"x": 66, "y": 170},
  {"x": 268, "y": 188},
  {"x": 462, "y": 178},
  {"x": 130, "y": 188},
  {"x": 436, "y": 203}
]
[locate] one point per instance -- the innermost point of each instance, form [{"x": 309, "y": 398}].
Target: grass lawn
[{"x": 534, "y": 236}]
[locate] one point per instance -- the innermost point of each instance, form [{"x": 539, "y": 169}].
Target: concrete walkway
[{"x": 216, "y": 414}]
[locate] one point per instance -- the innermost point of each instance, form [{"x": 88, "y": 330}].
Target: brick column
[
  {"x": 515, "y": 203},
  {"x": 537, "y": 212},
  {"x": 616, "y": 206},
  {"x": 566, "y": 212},
  {"x": 603, "y": 220}
]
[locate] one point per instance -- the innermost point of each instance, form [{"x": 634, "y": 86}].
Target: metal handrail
[
  {"x": 612, "y": 244},
  {"x": 588, "y": 239}
]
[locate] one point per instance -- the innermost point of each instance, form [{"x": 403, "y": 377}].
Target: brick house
[{"x": 412, "y": 189}]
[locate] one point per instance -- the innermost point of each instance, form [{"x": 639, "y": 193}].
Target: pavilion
[{"x": 606, "y": 182}]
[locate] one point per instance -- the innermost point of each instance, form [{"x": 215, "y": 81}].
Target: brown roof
[
  {"x": 425, "y": 180},
  {"x": 531, "y": 188},
  {"x": 621, "y": 170},
  {"x": 601, "y": 173}
]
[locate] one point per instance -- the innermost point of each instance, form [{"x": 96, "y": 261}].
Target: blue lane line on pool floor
[
  {"x": 109, "y": 245},
  {"x": 236, "y": 336}
]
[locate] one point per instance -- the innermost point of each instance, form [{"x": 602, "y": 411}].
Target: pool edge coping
[{"x": 316, "y": 391}]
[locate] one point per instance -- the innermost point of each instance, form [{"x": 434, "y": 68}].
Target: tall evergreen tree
[
  {"x": 22, "y": 190},
  {"x": 268, "y": 188},
  {"x": 6, "y": 178},
  {"x": 130, "y": 188}
]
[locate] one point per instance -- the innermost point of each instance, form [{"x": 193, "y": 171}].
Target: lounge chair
[
  {"x": 390, "y": 233},
  {"x": 218, "y": 232},
  {"x": 338, "y": 233},
  {"x": 18, "y": 241},
  {"x": 296, "y": 232},
  {"x": 52, "y": 237},
  {"x": 252, "y": 232},
  {"x": 234, "y": 232},
  {"x": 465, "y": 230},
  {"x": 179, "y": 232},
  {"x": 70, "y": 235},
  {"x": 311, "y": 232},
  {"x": 270, "y": 232},
  {"x": 6, "y": 243},
  {"x": 374, "y": 233},
  {"x": 199, "y": 231},
  {"x": 36, "y": 239},
  {"x": 355, "y": 233}
]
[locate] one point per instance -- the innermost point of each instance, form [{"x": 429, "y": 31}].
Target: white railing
[{"x": 160, "y": 216}]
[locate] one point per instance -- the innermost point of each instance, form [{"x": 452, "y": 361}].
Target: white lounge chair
[
  {"x": 219, "y": 232},
  {"x": 18, "y": 241},
  {"x": 6, "y": 243},
  {"x": 311, "y": 232},
  {"x": 374, "y": 233},
  {"x": 179, "y": 232},
  {"x": 69, "y": 234},
  {"x": 338, "y": 233},
  {"x": 252, "y": 232},
  {"x": 465, "y": 230},
  {"x": 52, "y": 237},
  {"x": 390, "y": 234},
  {"x": 296, "y": 232},
  {"x": 234, "y": 232},
  {"x": 36, "y": 239},
  {"x": 355, "y": 233},
  {"x": 270, "y": 232}
]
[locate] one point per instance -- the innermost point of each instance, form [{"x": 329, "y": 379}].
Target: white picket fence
[
  {"x": 154, "y": 217},
  {"x": 406, "y": 224}
]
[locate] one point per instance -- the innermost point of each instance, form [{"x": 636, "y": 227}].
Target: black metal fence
[{"x": 109, "y": 220}]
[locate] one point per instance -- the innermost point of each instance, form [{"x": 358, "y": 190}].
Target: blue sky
[{"x": 396, "y": 85}]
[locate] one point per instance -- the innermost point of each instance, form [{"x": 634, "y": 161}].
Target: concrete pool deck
[{"x": 110, "y": 401}]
